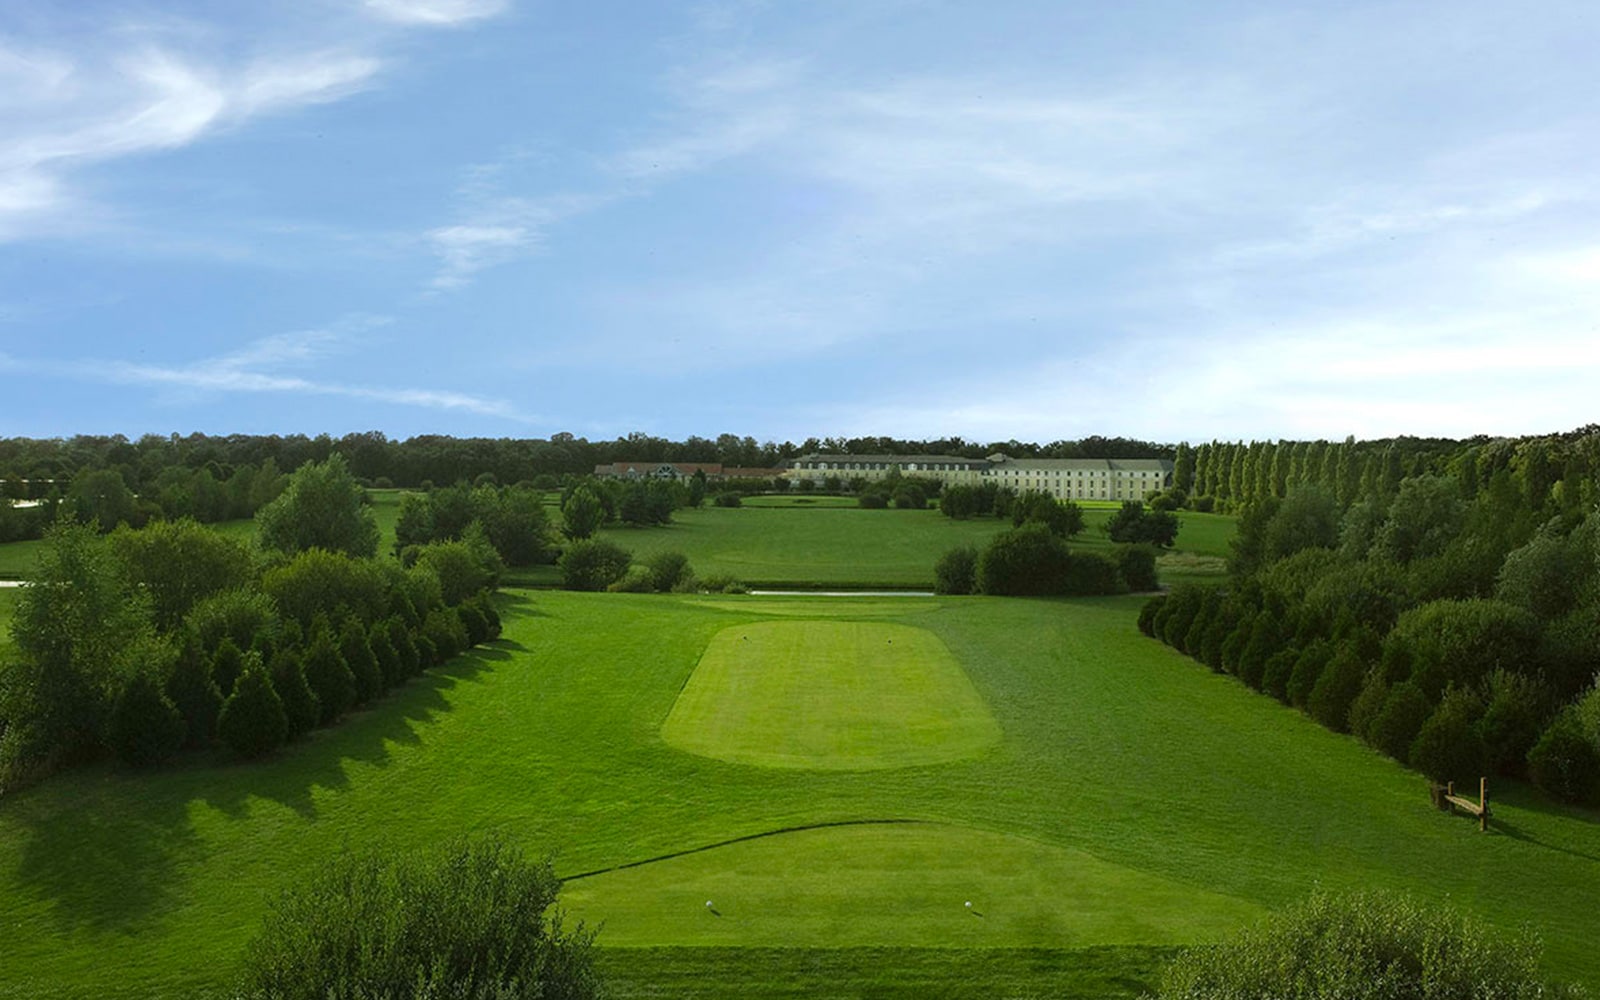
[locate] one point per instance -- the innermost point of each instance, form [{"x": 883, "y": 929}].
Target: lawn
[
  {"x": 835, "y": 546},
  {"x": 1134, "y": 801}
]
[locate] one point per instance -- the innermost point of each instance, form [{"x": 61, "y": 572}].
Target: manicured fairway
[
  {"x": 831, "y": 695},
  {"x": 900, "y": 885},
  {"x": 1127, "y": 778},
  {"x": 850, "y": 546}
]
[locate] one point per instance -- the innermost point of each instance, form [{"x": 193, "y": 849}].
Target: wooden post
[{"x": 1483, "y": 803}]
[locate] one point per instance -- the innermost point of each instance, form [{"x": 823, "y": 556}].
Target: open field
[
  {"x": 848, "y": 546},
  {"x": 1135, "y": 801}
]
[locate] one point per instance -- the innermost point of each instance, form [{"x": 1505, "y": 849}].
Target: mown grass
[
  {"x": 1168, "y": 778},
  {"x": 829, "y": 694},
  {"x": 837, "y": 546}
]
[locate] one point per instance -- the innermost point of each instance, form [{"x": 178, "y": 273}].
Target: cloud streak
[{"x": 258, "y": 367}]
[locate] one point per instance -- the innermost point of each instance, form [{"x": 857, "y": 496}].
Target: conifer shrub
[
  {"x": 1148, "y": 612},
  {"x": 445, "y": 631},
  {"x": 427, "y": 653},
  {"x": 252, "y": 722},
  {"x": 1183, "y": 604},
  {"x": 1264, "y": 642},
  {"x": 1308, "y": 668},
  {"x": 389, "y": 662},
  {"x": 357, "y": 653},
  {"x": 474, "y": 921},
  {"x": 226, "y": 664},
  {"x": 1337, "y": 687},
  {"x": 144, "y": 727},
  {"x": 1364, "y": 710},
  {"x": 301, "y": 709},
  {"x": 491, "y": 615},
  {"x": 405, "y": 644},
  {"x": 194, "y": 693},
  {"x": 472, "y": 620},
  {"x": 1276, "y": 673},
  {"x": 1233, "y": 646},
  {"x": 328, "y": 675},
  {"x": 1216, "y": 635}
]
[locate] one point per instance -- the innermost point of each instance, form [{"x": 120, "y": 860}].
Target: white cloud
[
  {"x": 438, "y": 13},
  {"x": 136, "y": 89}
]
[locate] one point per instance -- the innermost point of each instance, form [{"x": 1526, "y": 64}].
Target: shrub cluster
[
  {"x": 1033, "y": 560},
  {"x": 474, "y": 921},
  {"x": 168, "y": 637},
  {"x": 512, "y": 520},
  {"x": 1363, "y": 946}
]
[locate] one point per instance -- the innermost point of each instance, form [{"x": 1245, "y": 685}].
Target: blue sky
[{"x": 1038, "y": 220}]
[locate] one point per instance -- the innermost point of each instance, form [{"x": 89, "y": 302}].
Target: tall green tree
[{"x": 323, "y": 507}]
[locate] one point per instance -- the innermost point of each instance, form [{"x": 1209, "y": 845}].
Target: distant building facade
[
  {"x": 714, "y": 471},
  {"x": 1062, "y": 478}
]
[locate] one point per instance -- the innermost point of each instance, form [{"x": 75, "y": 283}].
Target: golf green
[
  {"x": 829, "y": 695},
  {"x": 896, "y": 884}
]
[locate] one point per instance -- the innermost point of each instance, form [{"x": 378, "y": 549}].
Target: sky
[{"x": 1029, "y": 219}]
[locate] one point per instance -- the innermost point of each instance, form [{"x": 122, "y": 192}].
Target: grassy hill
[{"x": 1134, "y": 801}]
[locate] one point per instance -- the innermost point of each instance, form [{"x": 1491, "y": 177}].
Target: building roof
[
  {"x": 892, "y": 459},
  {"x": 1089, "y": 464}
]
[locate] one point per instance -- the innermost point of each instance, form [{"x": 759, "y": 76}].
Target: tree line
[
  {"x": 1453, "y": 624},
  {"x": 149, "y": 641}
]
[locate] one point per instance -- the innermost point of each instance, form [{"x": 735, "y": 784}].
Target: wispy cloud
[
  {"x": 145, "y": 88},
  {"x": 435, "y": 12},
  {"x": 493, "y": 228},
  {"x": 266, "y": 366}
]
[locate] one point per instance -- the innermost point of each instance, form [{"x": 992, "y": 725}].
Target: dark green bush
[
  {"x": 144, "y": 727},
  {"x": 475, "y": 921},
  {"x": 1462, "y": 642},
  {"x": 1448, "y": 747},
  {"x": 328, "y": 675},
  {"x": 226, "y": 664},
  {"x": 668, "y": 571},
  {"x": 1565, "y": 762},
  {"x": 1137, "y": 563},
  {"x": 358, "y": 656},
  {"x": 411, "y": 661},
  {"x": 390, "y": 664},
  {"x": 1308, "y": 667},
  {"x": 1516, "y": 710},
  {"x": 1148, "y": 612},
  {"x": 1026, "y": 560},
  {"x": 1091, "y": 574},
  {"x": 727, "y": 500},
  {"x": 1364, "y": 710},
  {"x": 300, "y": 707},
  {"x": 956, "y": 571},
  {"x": 592, "y": 564},
  {"x": 1363, "y": 946},
  {"x": 1397, "y": 723},
  {"x": 1336, "y": 688},
  {"x": 445, "y": 631},
  {"x": 477, "y": 626},
  {"x": 873, "y": 500},
  {"x": 195, "y": 694},
  {"x": 252, "y": 722}
]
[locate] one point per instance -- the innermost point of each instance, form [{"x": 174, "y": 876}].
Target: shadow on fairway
[
  {"x": 1524, "y": 796},
  {"x": 111, "y": 853}
]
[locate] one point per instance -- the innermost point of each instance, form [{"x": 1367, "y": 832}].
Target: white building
[{"x": 1063, "y": 478}]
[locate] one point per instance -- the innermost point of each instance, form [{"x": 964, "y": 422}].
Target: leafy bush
[
  {"x": 636, "y": 581},
  {"x": 593, "y": 565},
  {"x": 321, "y": 508},
  {"x": 252, "y": 722},
  {"x": 317, "y": 581},
  {"x": 1133, "y": 523},
  {"x": 872, "y": 500},
  {"x": 1090, "y": 574},
  {"x": 1363, "y": 946},
  {"x": 1308, "y": 668},
  {"x": 727, "y": 500},
  {"x": 226, "y": 665},
  {"x": 1026, "y": 560},
  {"x": 1336, "y": 689},
  {"x": 1565, "y": 762},
  {"x": 956, "y": 571},
  {"x": 1512, "y": 719},
  {"x": 145, "y": 727},
  {"x": 668, "y": 571},
  {"x": 1462, "y": 642},
  {"x": 444, "y": 629},
  {"x": 1397, "y": 723},
  {"x": 1448, "y": 747},
  {"x": 1137, "y": 564},
  {"x": 475, "y": 921}
]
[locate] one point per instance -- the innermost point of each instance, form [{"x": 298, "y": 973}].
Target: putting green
[
  {"x": 829, "y": 695},
  {"x": 897, "y": 885}
]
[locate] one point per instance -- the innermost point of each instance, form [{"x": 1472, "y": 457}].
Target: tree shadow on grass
[{"x": 107, "y": 846}]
